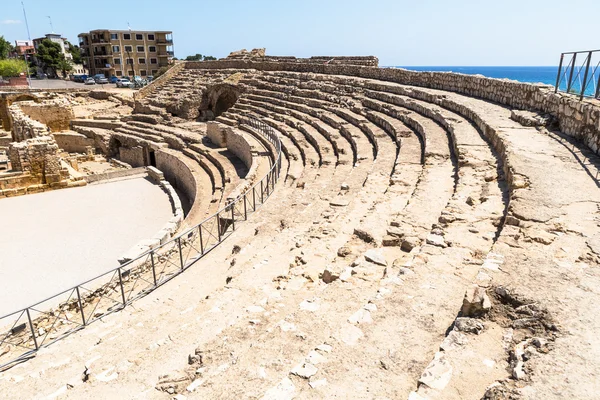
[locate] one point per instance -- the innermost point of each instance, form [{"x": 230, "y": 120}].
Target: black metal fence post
[
  {"x": 153, "y": 267},
  {"x": 233, "y": 216},
  {"x": 245, "y": 209},
  {"x": 201, "y": 240},
  {"x": 562, "y": 56},
  {"x": 80, "y": 306},
  {"x": 31, "y": 328},
  {"x": 180, "y": 252},
  {"x": 585, "y": 76},
  {"x": 570, "y": 82},
  {"x": 121, "y": 285}
]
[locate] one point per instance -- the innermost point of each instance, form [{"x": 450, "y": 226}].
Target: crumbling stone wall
[
  {"x": 580, "y": 119},
  {"x": 39, "y": 158},
  {"x": 23, "y": 127},
  {"x": 259, "y": 55},
  {"x": 56, "y": 113},
  {"x": 224, "y": 136}
]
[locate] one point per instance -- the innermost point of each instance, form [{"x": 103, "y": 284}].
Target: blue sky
[{"x": 399, "y": 32}]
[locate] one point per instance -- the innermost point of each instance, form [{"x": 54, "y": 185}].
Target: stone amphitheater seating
[{"x": 396, "y": 198}]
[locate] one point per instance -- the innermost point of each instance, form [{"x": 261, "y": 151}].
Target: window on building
[
  {"x": 140, "y": 49},
  {"x": 117, "y": 61},
  {"x": 119, "y": 73},
  {"x": 114, "y": 36},
  {"x": 143, "y": 72},
  {"x": 141, "y": 61},
  {"x": 139, "y": 36},
  {"x": 151, "y": 36},
  {"x": 152, "y": 49},
  {"x": 128, "y": 48},
  {"x": 154, "y": 71},
  {"x": 126, "y": 36},
  {"x": 130, "y": 61},
  {"x": 116, "y": 49},
  {"x": 130, "y": 73},
  {"x": 153, "y": 61}
]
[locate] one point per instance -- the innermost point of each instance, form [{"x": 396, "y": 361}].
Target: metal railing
[
  {"x": 27, "y": 330},
  {"x": 579, "y": 74}
]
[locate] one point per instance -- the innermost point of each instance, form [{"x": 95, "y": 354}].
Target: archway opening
[{"x": 224, "y": 102}]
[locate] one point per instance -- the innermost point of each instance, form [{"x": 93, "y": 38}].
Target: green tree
[
  {"x": 12, "y": 67},
  {"x": 49, "y": 56},
  {"x": 64, "y": 66},
  {"x": 75, "y": 52},
  {"x": 197, "y": 57},
  {"x": 5, "y": 48},
  {"x": 209, "y": 58}
]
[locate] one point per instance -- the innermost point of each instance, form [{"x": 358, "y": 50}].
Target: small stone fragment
[
  {"x": 469, "y": 325},
  {"x": 375, "y": 256},
  {"x": 476, "y": 302},
  {"x": 390, "y": 241},
  {"x": 344, "y": 251},
  {"x": 410, "y": 243},
  {"x": 304, "y": 370},
  {"x": 318, "y": 383},
  {"x": 436, "y": 240},
  {"x": 438, "y": 373},
  {"x": 327, "y": 276}
]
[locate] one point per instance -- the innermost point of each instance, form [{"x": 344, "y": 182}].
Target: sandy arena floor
[{"x": 52, "y": 241}]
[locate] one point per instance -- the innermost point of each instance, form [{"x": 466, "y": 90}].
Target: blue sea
[{"x": 524, "y": 74}]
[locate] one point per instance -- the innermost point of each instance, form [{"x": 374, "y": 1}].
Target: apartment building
[{"x": 125, "y": 52}]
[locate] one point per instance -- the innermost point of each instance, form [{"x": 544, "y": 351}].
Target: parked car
[
  {"x": 150, "y": 78},
  {"x": 80, "y": 78},
  {"x": 113, "y": 79},
  {"x": 90, "y": 81},
  {"x": 124, "y": 83},
  {"x": 100, "y": 79}
]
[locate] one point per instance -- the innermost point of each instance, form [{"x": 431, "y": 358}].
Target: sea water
[{"x": 545, "y": 75}]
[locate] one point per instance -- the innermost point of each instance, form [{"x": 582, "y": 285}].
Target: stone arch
[{"x": 217, "y": 99}]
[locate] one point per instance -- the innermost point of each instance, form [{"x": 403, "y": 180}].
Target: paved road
[
  {"x": 52, "y": 241},
  {"x": 62, "y": 84}
]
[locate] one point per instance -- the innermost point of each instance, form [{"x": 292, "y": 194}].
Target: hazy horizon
[{"x": 398, "y": 32}]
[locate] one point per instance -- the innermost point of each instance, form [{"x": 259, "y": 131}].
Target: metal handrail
[
  {"x": 586, "y": 82},
  {"x": 146, "y": 267}
]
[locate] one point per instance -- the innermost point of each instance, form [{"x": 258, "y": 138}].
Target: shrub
[{"x": 12, "y": 67}]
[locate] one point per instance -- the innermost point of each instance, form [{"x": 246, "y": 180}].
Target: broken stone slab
[
  {"x": 476, "y": 302},
  {"x": 438, "y": 373},
  {"x": 390, "y": 241},
  {"x": 324, "y": 347},
  {"x": 315, "y": 358},
  {"x": 339, "y": 202},
  {"x": 318, "y": 383},
  {"x": 454, "y": 340},
  {"x": 304, "y": 370},
  {"x": 364, "y": 235},
  {"x": 436, "y": 240},
  {"x": 362, "y": 316},
  {"x": 375, "y": 256}
]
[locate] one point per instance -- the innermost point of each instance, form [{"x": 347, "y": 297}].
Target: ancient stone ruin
[{"x": 430, "y": 236}]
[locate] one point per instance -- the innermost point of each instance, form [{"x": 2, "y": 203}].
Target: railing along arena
[
  {"x": 34, "y": 327},
  {"x": 579, "y": 74}
]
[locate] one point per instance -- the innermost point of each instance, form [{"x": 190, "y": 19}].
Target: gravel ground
[{"x": 54, "y": 240}]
